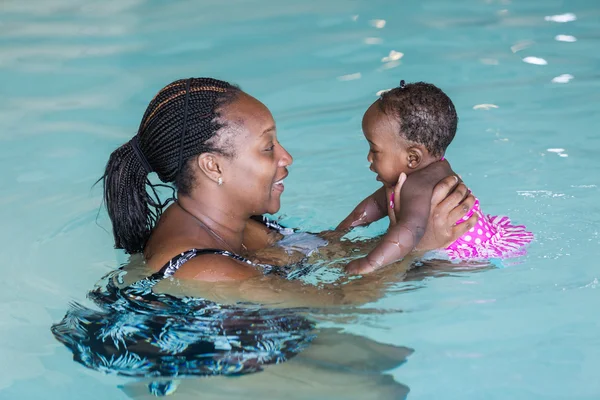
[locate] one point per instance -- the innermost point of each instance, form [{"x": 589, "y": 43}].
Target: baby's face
[{"x": 387, "y": 150}]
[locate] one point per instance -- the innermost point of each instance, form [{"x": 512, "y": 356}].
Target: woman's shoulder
[{"x": 212, "y": 266}]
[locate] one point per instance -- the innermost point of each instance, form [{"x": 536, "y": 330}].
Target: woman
[{"x": 218, "y": 146}]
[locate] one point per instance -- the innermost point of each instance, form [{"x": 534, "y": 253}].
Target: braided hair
[
  {"x": 425, "y": 113},
  {"x": 181, "y": 122}
]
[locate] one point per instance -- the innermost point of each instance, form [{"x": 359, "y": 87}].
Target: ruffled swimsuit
[{"x": 491, "y": 237}]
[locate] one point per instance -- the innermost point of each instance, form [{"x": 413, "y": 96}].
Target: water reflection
[
  {"x": 164, "y": 341},
  {"x": 565, "y": 38},
  {"x": 561, "y": 18},
  {"x": 436, "y": 268},
  {"x": 335, "y": 365},
  {"x": 535, "y": 60},
  {"x": 563, "y": 78},
  {"x": 378, "y": 23}
]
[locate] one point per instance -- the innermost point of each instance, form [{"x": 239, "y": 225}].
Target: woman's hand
[
  {"x": 450, "y": 202},
  {"x": 392, "y": 196}
]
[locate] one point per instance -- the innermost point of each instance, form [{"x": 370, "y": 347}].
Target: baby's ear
[{"x": 414, "y": 157}]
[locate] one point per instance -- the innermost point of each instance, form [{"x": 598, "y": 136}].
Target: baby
[{"x": 408, "y": 129}]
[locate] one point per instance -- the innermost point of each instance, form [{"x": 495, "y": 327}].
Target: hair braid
[{"x": 132, "y": 207}]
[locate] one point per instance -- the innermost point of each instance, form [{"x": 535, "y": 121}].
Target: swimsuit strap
[
  {"x": 144, "y": 287},
  {"x": 176, "y": 262}
]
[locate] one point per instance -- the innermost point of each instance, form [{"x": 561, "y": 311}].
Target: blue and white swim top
[{"x": 134, "y": 331}]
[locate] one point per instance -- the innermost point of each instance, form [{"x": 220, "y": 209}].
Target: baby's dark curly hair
[{"x": 425, "y": 113}]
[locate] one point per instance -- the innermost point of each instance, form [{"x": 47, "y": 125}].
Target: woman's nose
[{"x": 286, "y": 158}]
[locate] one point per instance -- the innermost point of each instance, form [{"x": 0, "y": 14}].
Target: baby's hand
[
  {"x": 359, "y": 267},
  {"x": 393, "y": 195}
]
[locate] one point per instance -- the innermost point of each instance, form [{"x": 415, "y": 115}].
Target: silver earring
[{"x": 220, "y": 181}]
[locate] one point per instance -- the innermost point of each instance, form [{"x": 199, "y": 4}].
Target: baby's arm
[
  {"x": 403, "y": 237},
  {"x": 371, "y": 209}
]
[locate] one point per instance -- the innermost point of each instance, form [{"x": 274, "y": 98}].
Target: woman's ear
[
  {"x": 414, "y": 157},
  {"x": 210, "y": 164}
]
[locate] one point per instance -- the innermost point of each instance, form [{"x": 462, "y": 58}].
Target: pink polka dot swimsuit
[{"x": 491, "y": 237}]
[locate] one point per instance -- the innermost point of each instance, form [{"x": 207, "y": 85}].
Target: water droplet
[
  {"x": 565, "y": 38},
  {"x": 378, "y": 23},
  {"x": 349, "y": 77},
  {"x": 393, "y": 56},
  {"x": 535, "y": 61},
  {"x": 568, "y": 17},
  {"x": 484, "y": 106},
  {"x": 564, "y": 78}
]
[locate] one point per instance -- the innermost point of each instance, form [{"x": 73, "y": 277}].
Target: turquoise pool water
[{"x": 76, "y": 77}]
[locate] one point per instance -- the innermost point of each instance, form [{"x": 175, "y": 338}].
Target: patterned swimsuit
[{"x": 139, "y": 333}]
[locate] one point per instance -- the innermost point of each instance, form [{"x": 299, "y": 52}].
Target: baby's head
[{"x": 408, "y": 128}]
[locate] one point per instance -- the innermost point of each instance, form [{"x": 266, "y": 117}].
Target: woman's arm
[
  {"x": 258, "y": 236},
  {"x": 224, "y": 280}
]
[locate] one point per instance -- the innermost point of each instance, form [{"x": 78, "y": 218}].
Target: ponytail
[{"x": 127, "y": 201}]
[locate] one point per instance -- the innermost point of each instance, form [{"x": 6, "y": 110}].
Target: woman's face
[{"x": 254, "y": 174}]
